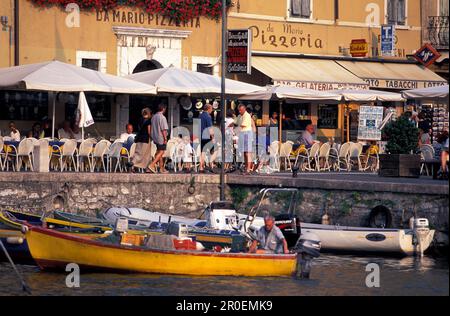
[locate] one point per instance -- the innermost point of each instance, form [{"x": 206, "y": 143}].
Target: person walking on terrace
[{"x": 159, "y": 129}]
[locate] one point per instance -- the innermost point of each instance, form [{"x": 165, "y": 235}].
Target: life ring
[{"x": 380, "y": 217}]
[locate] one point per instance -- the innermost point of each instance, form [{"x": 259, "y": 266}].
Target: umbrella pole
[
  {"x": 280, "y": 125},
  {"x": 53, "y": 115},
  {"x": 222, "y": 97}
]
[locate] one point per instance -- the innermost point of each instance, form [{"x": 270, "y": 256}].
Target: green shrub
[{"x": 401, "y": 135}]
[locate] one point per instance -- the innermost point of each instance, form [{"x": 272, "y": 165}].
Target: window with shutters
[
  {"x": 396, "y": 12},
  {"x": 300, "y": 8}
]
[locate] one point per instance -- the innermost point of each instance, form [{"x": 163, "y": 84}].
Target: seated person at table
[
  {"x": 270, "y": 238},
  {"x": 125, "y": 137},
  {"x": 35, "y": 131},
  {"x": 15, "y": 134},
  {"x": 77, "y": 135},
  {"x": 66, "y": 131},
  {"x": 307, "y": 137},
  {"x": 46, "y": 131}
]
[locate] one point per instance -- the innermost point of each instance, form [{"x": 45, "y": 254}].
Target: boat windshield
[{"x": 276, "y": 201}]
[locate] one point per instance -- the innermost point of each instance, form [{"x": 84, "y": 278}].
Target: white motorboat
[{"x": 144, "y": 218}]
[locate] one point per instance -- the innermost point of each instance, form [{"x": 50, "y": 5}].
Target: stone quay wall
[{"x": 348, "y": 201}]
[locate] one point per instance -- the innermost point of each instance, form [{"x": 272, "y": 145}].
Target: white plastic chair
[
  {"x": 341, "y": 157},
  {"x": 99, "y": 155},
  {"x": 274, "y": 156},
  {"x": 169, "y": 150},
  {"x": 324, "y": 155},
  {"x": 354, "y": 156},
  {"x": 85, "y": 154},
  {"x": 427, "y": 154},
  {"x": 114, "y": 153},
  {"x": 66, "y": 156},
  {"x": 178, "y": 155},
  {"x": 309, "y": 157},
  {"x": 24, "y": 154},
  {"x": 285, "y": 155}
]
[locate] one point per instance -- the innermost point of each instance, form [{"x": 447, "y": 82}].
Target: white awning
[
  {"x": 315, "y": 74},
  {"x": 399, "y": 76},
  {"x": 368, "y": 95},
  {"x": 433, "y": 93},
  {"x": 293, "y": 93},
  {"x": 175, "y": 80}
]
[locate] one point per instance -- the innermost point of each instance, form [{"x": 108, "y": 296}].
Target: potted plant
[{"x": 400, "y": 159}]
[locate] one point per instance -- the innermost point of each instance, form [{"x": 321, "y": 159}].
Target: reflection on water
[{"x": 331, "y": 275}]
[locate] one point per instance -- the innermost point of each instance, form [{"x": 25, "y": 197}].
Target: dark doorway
[{"x": 147, "y": 65}]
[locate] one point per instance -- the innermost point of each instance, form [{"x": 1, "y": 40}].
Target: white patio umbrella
[
  {"x": 56, "y": 76},
  {"x": 287, "y": 92},
  {"x": 368, "y": 95},
  {"x": 181, "y": 81},
  {"x": 84, "y": 115},
  {"x": 61, "y": 77},
  {"x": 432, "y": 93}
]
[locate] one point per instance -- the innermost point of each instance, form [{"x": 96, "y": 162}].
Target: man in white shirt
[
  {"x": 246, "y": 136},
  {"x": 129, "y": 133},
  {"x": 15, "y": 134}
]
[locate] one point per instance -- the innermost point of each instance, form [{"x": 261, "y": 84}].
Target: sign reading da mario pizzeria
[{"x": 239, "y": 51}]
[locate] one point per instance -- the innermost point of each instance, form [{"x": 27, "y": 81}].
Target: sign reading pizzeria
[
  {"x": 359, "y": 48},
  {"x": 239, "y": 51}
]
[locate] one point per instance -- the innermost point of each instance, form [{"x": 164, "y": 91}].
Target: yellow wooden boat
[{"x": 51, "y": 249}]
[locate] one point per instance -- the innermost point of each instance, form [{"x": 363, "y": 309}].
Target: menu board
[
  {"x": 370, "y": 118},
  {"x": 239, "y": 51},
  {"x": 328, "y": 116}
]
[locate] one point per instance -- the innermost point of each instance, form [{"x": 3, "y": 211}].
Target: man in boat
[{"x": 270, "y": 238}]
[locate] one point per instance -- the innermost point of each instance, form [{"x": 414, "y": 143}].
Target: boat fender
[
  {"x": 14, "y": 240},
  {"x": 24, "y": 229}
]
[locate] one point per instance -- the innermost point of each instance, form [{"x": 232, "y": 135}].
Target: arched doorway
[{"x": 146, "y": 65}]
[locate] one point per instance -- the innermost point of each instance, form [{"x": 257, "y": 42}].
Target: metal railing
[{"x": 438, "y": 27}]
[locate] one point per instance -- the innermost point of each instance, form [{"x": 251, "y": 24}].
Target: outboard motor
[
  {"x": 308, "y": 247},
  {"x": 421, "y": 232}
]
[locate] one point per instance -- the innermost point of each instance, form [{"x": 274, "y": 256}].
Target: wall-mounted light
[{"x": 4, "y": 20}]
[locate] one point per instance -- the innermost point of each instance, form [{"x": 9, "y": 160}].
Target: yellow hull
[{"x": 54, "y": 250}]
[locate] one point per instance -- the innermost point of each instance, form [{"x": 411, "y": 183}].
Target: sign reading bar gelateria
[
  {"x": 402, "y": 84},
  {"x": 321, "y": 86}
]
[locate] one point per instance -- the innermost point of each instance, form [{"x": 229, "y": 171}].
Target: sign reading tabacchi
[{"x": 239, "y": 51}]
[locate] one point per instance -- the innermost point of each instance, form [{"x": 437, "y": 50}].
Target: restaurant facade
[{"x": 303, "y": 43}]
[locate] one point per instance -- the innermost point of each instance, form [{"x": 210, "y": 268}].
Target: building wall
[
  {"x": 322, "y": 34},
  {"x": 6, "y": 50}
]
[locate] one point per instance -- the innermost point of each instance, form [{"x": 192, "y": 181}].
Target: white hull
[
  {"x": 358, "y": 239},
  {"x": 361, "y": 239},
  {"x": 143, "y": 217}
]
